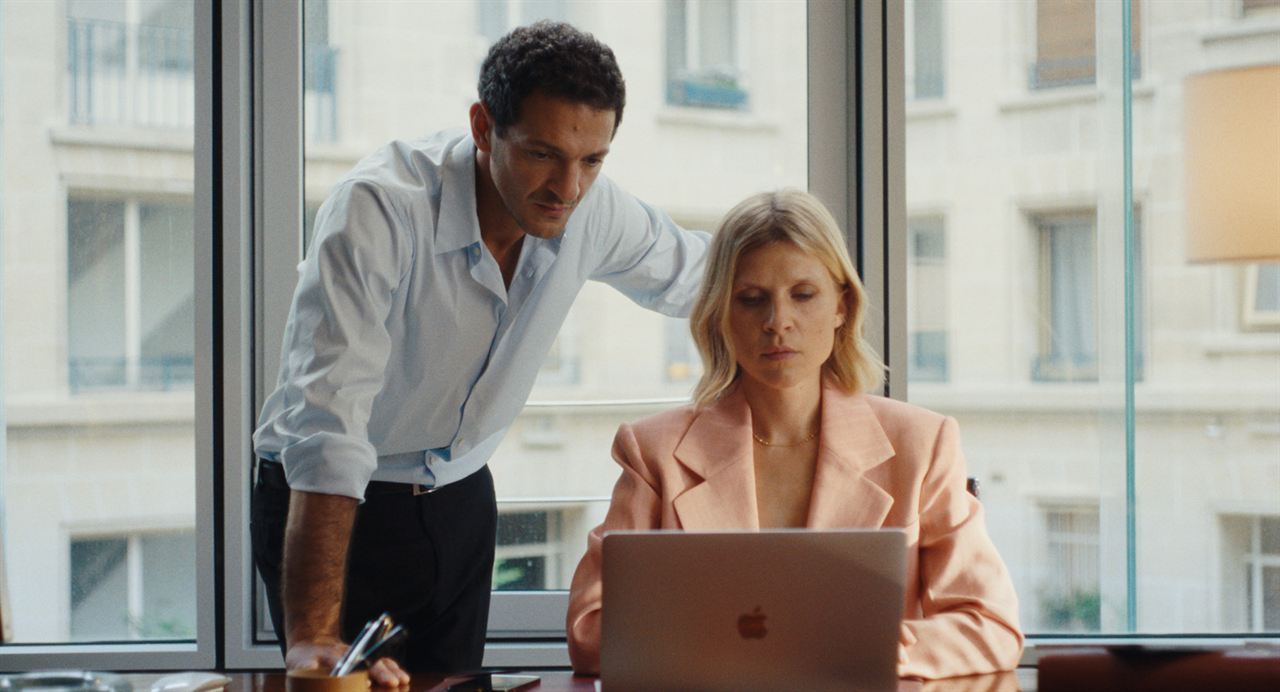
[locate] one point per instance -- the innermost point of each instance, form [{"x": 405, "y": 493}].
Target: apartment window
[
  {"x": 528, "y": 553},
  {"x": 129, "y": 62},
  {"x": 927, "y": 305},
  {"x": 1070, "y": 599},
  {"x": 1262, "y": 569},
  {"x": 319, "y": 74},
  {"x": 496, "y": 17},
  {"x": 129, "y": 294},
  {"x": 681, "y": 362},
  {"x": 926, "y": 58},
  {"x": 132, "y": 586},
  {"x": 1068, "y": 326},
  {"x": 704, "y": 69},
  {"x": 1250, "y": 8},
  {"x": 1065, "y": 52},
  {"x": 1262, "y": 296}
]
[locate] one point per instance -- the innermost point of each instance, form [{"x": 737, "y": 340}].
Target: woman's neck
[{"x": 784, "y": 417}]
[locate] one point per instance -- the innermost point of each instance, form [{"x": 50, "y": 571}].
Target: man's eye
[
  {"x": 594, "y": 163},
  {"x": 539, "y": 155}
]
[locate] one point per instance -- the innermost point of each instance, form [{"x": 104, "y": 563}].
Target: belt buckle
[{"x": 420, "y": 489}]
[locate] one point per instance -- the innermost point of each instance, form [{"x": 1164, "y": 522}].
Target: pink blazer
[{"x": 880, "y": 463}]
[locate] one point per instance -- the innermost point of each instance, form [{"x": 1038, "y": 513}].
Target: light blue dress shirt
[{"x": 405, "y": 357}]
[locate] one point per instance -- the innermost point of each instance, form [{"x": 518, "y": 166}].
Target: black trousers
[{"x": 426, "y": 559}]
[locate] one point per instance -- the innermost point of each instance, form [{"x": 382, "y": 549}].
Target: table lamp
[{"x": 1232, "y": 145}]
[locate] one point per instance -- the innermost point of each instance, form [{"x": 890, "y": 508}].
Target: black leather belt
[{"x": 271, "y": 474}]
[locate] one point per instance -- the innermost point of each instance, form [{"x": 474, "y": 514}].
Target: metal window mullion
[
  {"x": 1256, "y": 614},
  {"x": 132, "y": 292},
  {"x": 278, "y": 177},
  {"x": 134, "y": 584},
  {"x": 237, "y": 292}
]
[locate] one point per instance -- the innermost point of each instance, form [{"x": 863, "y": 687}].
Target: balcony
[
  {"x": 129, "y": 75},
  {"x": 134, "y": 75}
]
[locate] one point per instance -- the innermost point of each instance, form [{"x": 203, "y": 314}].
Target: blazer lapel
[
  {"x": 717, "y": 448},
  {"x": 852, "y": 443}
]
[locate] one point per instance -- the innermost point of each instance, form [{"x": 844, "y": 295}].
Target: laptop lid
[{"x": 768, "y": 610}]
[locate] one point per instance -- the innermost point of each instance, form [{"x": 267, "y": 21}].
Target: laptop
[{"x": 770, "y": 610}]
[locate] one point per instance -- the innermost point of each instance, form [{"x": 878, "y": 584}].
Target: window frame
[
  {"x": 200, "y": 652},
  {"x": 517, "y": 619}
]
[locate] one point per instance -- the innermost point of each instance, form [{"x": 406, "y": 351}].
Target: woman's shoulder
[
  {"x": 672, "y": 423},
  {"x": 900, "y": 414}
]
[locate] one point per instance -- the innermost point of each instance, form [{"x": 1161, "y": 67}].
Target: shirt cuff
[{"x": 330, "y": 464}]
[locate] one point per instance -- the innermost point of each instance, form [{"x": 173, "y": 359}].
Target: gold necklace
[{"x": 766, "y": 443}]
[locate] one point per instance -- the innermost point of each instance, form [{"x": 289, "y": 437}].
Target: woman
[{"x": 781, "y": 435}]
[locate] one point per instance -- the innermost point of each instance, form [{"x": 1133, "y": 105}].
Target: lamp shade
[{"x": 1232, "y": 150}]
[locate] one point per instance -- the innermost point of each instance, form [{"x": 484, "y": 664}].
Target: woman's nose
[{"x": 780, "y": 317}]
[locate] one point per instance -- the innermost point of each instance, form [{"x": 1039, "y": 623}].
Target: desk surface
[{"x": 1023, "y": 680}]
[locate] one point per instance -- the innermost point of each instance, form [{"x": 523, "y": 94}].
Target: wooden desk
[{"x": 1023, "y": 680}]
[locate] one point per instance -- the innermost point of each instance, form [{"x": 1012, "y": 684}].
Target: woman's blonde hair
[{"x": 790, "y": 216}]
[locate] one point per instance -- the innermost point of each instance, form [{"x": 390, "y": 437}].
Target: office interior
[{"x": 1013, "y": 177}]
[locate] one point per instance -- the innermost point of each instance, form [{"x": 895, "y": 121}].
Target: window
[
  {"x": 528, "y": 556},
  {"x": 1251, "y": 571},
  {"x": 1070, "y": 392},
  {"x": 1262, "y": 8},
  {"x": 497, "y": 17},
  {"x": 100, "y": 492},
  {"x": 133, "y": 586},
  {"x": 1068, "y": 330},
  {"x": 927, "y": 310},
  {"x": 1064, "y": 46},
  {"x": 319, "y": 75},
  {"x": 703, "y": 65},
  {"x": 926, "y": 56},
  {"x": 1070, "y": 598},
  {"x": 1262, "y": 296},
  {"x": 129, "y": 63},
  {"x": 129, "y": 294},
  {"x": 680, "y": 355}
]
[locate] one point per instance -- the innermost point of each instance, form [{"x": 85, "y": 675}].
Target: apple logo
[{"x": 751, "y": 625}]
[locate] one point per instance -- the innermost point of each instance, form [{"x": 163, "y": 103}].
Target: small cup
[{"x": 319, "y": 680}]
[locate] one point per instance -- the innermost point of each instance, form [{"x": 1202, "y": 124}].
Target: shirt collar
[{"x": 457, "y": 225}]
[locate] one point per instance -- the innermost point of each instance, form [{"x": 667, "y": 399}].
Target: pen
[{"x": 354, "y": 654}]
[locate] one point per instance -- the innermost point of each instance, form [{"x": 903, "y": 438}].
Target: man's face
[{"x": 544, "y": 163}]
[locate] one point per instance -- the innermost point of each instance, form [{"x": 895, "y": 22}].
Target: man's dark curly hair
[{"x": 556, "y": 59}]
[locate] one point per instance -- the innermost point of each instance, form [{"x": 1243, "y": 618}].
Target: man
[{"x": 440, "y": 273}]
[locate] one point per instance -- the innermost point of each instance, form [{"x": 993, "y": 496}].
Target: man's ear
[{"x": 481, "y": 126}]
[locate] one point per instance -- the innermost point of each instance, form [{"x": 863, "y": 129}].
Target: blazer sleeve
[
  {"x": 635, "y": 505},
  {"x": 970, "y": 622}
]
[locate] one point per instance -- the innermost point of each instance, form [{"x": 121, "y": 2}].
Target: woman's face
[{"x": 784, "y": 309}]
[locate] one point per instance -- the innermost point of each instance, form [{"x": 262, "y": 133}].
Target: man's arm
[{"x": 316, "y": 540}]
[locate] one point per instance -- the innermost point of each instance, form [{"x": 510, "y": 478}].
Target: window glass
[
  {"x": 403, "y": 70},
  {"x": 1065, "y": 51},
  {"x": 1028, "y": 191},
  {"x": 97, "y": 336}
]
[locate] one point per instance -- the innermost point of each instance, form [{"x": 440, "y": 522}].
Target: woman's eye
[
  {"x": 750, "y": 299},
  {"x": 803, "y": 296}
]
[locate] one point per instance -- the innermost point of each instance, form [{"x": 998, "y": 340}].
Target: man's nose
[{"x": 565, "y": 183}]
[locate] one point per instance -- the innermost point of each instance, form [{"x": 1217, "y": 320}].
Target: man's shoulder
[{"x": 411, "y": 163}]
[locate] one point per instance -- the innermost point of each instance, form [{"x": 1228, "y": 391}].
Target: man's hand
[{"x": 325, "y": 653}]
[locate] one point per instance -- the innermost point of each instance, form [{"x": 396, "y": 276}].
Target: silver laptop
[{"x": 773, "y": 610}]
